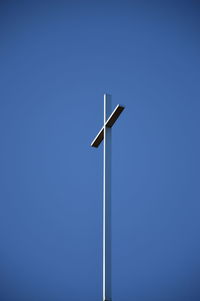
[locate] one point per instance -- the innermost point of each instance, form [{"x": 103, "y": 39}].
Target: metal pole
[{"x": 107, "y": 287}]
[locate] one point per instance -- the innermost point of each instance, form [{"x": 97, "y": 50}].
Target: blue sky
[{"x": 57, "y": 60}]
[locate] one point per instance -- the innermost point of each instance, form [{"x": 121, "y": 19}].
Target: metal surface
[
  {"x": 107, "y": 287},
  {"x": 105, "y": 134},
  {"x": 109, "y": 123},
  {"x": 99, "y": 137},
  {"x": 113, "y": 117}
]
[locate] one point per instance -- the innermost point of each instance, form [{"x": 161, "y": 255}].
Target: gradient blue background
[{"x": 56, "y": 61}]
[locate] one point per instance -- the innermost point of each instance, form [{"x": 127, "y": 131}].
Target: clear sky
[{"x": 57, "y": 59}]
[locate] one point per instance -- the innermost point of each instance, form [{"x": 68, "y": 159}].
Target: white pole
[{"x": 107, "y": 287}]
